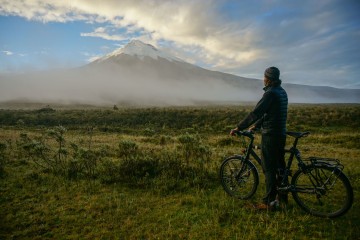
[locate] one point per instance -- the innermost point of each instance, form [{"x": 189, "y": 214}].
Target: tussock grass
[{"x": 158, "y": 183}]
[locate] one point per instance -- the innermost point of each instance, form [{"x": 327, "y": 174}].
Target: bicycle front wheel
[
  {"x": 239, "y": 178},
  {"x": 322, "y": 191}
]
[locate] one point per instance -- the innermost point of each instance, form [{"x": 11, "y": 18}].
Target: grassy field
[{"x": 152, "y": 173}]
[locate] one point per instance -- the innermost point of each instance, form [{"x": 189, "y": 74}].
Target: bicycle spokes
[
  {"x": 322, "y": 191},
  {"x": 239, "y": 177}
]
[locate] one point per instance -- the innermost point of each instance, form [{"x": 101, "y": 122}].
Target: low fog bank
[
  {"x": 104, "y": 87},
  {"x": 97, "y": 88},
  {"x": 321, "y": 94}
]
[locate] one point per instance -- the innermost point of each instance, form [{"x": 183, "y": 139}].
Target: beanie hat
[{"x": 272, "y": 73}]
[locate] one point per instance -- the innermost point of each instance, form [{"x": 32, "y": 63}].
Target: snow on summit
[{"x": 139, "y": 49}]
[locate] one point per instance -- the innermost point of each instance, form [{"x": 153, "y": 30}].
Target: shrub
[
  {"x": 71, "y": 162},
  {"x": 192, "y": 147},
  {"x": 140, "y": 167},
  {"x": 83, "y": 162},
  {"x": 128, "y": 149},
  {"x": 149, "y": 132},
  {"x": 188, "y": 145},
  {"x": 46, "y": 109},
  {"x": 163, "y": 140},
  {"x": 3, "y": 158}
]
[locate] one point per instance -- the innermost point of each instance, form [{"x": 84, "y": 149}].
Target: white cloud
[
  {"x": 243, "y": 39},
  {"x": 185, "y": 22},
  {"x": 101, "y": 32},
  {"x": 91, "y": 57},
  {"x": 8, "y": 53}
]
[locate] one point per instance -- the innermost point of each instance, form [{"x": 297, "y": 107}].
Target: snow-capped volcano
[
  {"x": 141, "y": 50},
  {"x": 140, "y": 74}
]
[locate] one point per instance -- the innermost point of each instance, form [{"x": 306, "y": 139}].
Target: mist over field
[
  {"x": 94, "y": 87},
  {"x": 140, "y": 74}
]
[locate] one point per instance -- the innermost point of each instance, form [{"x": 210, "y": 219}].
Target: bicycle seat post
[
  {"x": 295, "y": 142},
  {"x": 297, "y": 136}
]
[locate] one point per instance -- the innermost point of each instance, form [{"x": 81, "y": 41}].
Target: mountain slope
[
  {"x": 140, "y": 74},
  {"x": 142, "y": 60}
]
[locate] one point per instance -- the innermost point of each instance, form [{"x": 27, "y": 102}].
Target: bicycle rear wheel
[
  {"x": 239, "y": 178},
  {"x": 322, "y": 191}
]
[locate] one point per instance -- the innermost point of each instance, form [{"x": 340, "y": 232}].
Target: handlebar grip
[{"x": 247, "y": 133}]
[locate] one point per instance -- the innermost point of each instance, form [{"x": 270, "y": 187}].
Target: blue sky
[{"x": 312, "y": 42}]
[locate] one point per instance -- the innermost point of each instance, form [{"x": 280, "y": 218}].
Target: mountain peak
[
  {"x": 140, "y": 49},
  {"x": 139, "y": 45}
]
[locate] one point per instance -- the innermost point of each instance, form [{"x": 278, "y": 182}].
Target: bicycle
[{"x": 319, "y": 185}]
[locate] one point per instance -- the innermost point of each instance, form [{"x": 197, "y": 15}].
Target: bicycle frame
[
  {"x": 250, "y": 151},
  {"x": 310, "y": 194},
  {"x": 294, "y": 152}
]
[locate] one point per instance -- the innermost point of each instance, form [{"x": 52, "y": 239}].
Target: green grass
[
  {"x": 157, "y": 191},
  {"x": 40, "y": 207}
]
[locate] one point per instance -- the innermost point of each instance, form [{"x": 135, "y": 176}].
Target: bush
[
  {"x": 149, "y": 132},
  {"x": 128, "y": 149},
  {"x": 3, "y": 158},
  {"x": 47, "y": 109},
  {"x": 51, "y": 153},
  {"x": 188, "y": 145},
  {"x": 192, "y": 147}
]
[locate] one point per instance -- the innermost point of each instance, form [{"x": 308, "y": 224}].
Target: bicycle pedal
[{"x": 274, "y": 204}]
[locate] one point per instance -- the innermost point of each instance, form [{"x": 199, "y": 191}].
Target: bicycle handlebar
[
  {"x": 246, "y": 133},
  {"x": 250, "y": 133}
]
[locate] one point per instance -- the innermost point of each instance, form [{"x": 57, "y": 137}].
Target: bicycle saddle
[{"x": 298, "y": 134}]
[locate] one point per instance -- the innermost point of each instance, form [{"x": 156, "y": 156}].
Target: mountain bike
[{"x": 319, "y": 185}]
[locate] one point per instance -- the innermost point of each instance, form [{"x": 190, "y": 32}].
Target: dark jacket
[{"x": 270, "y": 113}]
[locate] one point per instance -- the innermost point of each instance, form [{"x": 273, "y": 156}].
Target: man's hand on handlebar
[
  {"x": 234, "y": 131},
  {"x": 252, "y": 129}
]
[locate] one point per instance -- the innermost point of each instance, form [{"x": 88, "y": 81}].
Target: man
[{"x": 270, "y": 116}]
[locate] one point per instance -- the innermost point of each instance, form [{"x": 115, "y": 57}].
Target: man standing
[{"x": 270, "y": 116}]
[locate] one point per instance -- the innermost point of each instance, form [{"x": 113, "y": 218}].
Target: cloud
[
  {"x": 101, "y": 32},
  {"x": 239, "y": 37},
  {"x": 91, "y": 57},
  {"x": 8, "y": 53},
  {"x": 185, "y": 22}
]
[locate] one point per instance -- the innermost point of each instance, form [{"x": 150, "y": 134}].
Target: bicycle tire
[
  {"x": 322, "y": 191},
  {"x": 239, "y": 178}
]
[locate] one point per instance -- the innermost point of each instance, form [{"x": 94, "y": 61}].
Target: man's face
[{"x": 266, "y": 82}]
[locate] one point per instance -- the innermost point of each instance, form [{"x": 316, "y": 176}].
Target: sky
[{"x": 311, "y": 42}]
